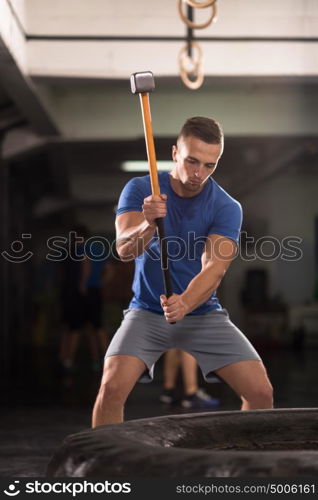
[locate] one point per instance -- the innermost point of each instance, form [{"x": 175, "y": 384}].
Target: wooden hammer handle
[
  {"x": 146, "y": 117},
  {"x": 155, "y": 188}
]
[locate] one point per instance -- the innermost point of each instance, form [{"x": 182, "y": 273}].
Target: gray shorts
[{"x": 211, "y": 338}]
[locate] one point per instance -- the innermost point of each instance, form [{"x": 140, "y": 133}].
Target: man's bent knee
[
  {"x": 111, "y": 391},
  {"x": 119, "y": 377},
  {"x": 260, "y": 398}
]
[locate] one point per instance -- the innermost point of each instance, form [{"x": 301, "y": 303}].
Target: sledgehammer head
[{"x": 143, "y": 82}]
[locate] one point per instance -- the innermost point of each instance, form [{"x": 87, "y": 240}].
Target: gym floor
[{"x": 33, "y": 427}]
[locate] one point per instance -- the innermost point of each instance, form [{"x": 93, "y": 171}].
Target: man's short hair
[{"x": 205, "y": 129}]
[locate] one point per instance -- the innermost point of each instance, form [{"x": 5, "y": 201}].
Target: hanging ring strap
[
  {"x": 200, "y": 5},
  {"x": 192, "y": 24},
  {"x": 188, "y": 66}
]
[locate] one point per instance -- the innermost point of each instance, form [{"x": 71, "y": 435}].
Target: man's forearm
[
  {"x": 135, "y": 240},
  {"x": 201, "y": 287}
]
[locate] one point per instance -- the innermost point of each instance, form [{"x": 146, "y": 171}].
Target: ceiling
[{"x": 72, "y": 120}]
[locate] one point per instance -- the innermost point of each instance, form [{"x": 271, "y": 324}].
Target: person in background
[
  {"x": 74, "y": 275},
  {"x": 193, "y": 395},
  {"x": 82, "y": 301},
  {"x": 92, "y": 287}
]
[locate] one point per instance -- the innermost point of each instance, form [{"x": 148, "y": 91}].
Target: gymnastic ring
[
  {"x": 192, "y": 24},
  {"x": 200, "y": 5},
  {"x": 193, "y": 85},
  {"x": 196, "y": 70},
  {"x": 184, "y": 58}
]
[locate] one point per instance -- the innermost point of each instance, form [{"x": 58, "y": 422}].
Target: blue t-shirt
[
  {"x": 96, "y": 253},
  {"x": 188, "y": 222}
]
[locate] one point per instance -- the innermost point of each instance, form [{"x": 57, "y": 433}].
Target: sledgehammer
[{"x": 143, "y": 83}]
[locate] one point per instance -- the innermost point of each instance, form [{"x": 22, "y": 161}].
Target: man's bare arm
[
  {"x": 134, "y": 230},
  {"x": 133, "y": 234},
  {"x": 216, "y": 258}
]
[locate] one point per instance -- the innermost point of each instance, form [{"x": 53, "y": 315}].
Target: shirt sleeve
[
  {"x": 228, "y": 221},
  {"x": 131, "y": 198}
]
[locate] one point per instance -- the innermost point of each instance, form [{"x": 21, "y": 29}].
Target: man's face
[{"x": 195, "y": 161}]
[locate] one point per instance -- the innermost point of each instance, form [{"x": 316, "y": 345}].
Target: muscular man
[{"x": 202, "y": 224}]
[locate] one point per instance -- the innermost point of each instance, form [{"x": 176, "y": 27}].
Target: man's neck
[{"x": 179, "y": 189}]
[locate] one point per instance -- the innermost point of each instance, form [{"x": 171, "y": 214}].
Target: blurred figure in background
[
  {"x": 82, "y": 300},
  {"x": 193, "y": 396},
  {"x": 93, "y": 285},
  {"x": 74, "y": 275}
]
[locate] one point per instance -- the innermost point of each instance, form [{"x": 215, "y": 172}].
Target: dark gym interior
[{"x": 63, "y": 141}]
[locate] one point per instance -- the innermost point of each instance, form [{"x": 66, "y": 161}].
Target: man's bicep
[
  {"x": 227, "y": 222},
  {"x": 126, "y": 221},
  {"x": 219, "y": 251}
]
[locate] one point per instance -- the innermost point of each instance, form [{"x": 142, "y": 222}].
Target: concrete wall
[
  {"x": 246, "y": 108},
  {"x": 118, "y": 59},
  {"x": 101, "y": 17},
  {"x": 288, "y": 204},
  {"x": 11, "y": 34}
]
